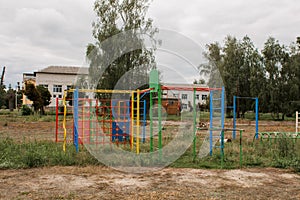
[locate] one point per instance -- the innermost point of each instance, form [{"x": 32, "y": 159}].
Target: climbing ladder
[
  {"x": 138, "y": 121},
  {"x": 217, "y": 114}
]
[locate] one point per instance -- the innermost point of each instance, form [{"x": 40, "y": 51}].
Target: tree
[
  {"x": 124, "y": 18},
  {"x": 275, "y": 59},
  {"x": 11, "y": 99},
  {"x": 291, "y": 74},
  {"x": 251, "y": 75},
  {"x": 40, "y": 96},
  {"x": 2, "y": 97}
]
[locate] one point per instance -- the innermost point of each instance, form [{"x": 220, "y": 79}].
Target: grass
[
  {"x": 39, "y": 154},
  {"x": 285, "y": 153},
  {"x": 282, "y": 153},
  {"x": 16, "y": 116}
]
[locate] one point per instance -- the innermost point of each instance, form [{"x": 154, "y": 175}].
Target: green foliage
[
  {"x": 272, "y": 74},
  {"x": 3, "y": 94},
  {"x": 26, "y": 110},
  {"x": 39, "y": 95},
  {"x": 125, "y": 18},
  {"x": 283, "y": 153},
  {"x": 10, "y": 96}
]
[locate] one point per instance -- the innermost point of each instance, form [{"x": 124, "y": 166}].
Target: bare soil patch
[{"x": 95, "y": 182}]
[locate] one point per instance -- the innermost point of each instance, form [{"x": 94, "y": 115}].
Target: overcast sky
[{"x": 35, "y": 34}]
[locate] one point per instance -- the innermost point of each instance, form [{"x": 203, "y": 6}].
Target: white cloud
[{"x": 35, "y": 34}]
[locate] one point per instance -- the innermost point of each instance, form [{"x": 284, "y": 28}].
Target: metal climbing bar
[
  {"x": 212, "y": 118},
  {"x": 64, "y": 121},
  {"x": 297, "y": 122},
  {"x": 234, "y": 114},
  {"x": 277, "y": 135}
]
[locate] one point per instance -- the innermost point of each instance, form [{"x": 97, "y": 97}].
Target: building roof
[
  {"x": 64, "y": 70},
  {"x": 185, "y": 87}
]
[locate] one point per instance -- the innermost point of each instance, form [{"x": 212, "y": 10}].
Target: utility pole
[{"x": 2, "y": 76}]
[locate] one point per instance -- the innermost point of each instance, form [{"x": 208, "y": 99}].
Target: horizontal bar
[
  {"x": 245, "y": 97},
  {"x": 221, "y": 129},
  {"x": 185, "y": 88}
]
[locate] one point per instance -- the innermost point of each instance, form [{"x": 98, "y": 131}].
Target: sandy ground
[{"x": 104, "y": 183}]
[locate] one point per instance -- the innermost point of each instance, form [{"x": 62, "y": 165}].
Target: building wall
[
  {"x": 50, "y": 80},
  {"x": 187, "y": 97},
  {"x": 27, "y": 78}
]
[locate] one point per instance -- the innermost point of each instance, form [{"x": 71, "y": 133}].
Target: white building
[
  {"x": 58, "y": 78},
  {"x": 185, "y": 93}
]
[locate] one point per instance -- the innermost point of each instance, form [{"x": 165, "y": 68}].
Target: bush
[{"x": 26, "y": 110}]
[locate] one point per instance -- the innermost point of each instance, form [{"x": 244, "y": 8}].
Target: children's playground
[
  {"x": 172, "y": 182},
  {"x": 137, "y": 122},
  {"x": 198, "y": 154}
]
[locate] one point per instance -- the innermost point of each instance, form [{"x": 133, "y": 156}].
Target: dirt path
[{"x": 104, "y": 183}]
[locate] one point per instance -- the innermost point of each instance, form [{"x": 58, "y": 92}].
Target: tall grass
[
  {"x": 284, "y": 153},
  {"x": 39, "y": 154}
]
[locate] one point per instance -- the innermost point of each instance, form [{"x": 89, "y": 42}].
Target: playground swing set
[{"x": 124, "y": 121}]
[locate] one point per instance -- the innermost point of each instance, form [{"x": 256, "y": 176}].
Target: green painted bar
[
  {"x": 159, "y": 122},
  {"x": 151, "y": 121},
  {"x": 222, "y": 148},
  {"x": 194, "y": 124},
  {"x": 241, "y": 148}
]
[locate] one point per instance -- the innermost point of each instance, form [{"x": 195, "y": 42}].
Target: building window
[
  {"x": 57, "y": 88},
  {"x": 60, "y": 96},
  {"x": 54, "y": 96},
  {"x": 45, "y": 86},
  {"x": 197, "y": 96},
  {"x": 69, "y": 87},
  {"x": 204, "y": 97},
  {"x": 184, "y": 96},
  {"x": 183, "y": 106}
]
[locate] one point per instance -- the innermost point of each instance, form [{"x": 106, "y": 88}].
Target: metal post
[
  {"x": 159, "y": 122},
  {"x": 75, "y": 133},
  {"x": 91, "y": 129},
  {"x": 256, "y": 117},
  {"x": 138, "y": 122},
  {"x": 132, "y": 121},
  {"x": 241, "y": 149},
  {"x": 297, "y": 121},
  {"x": 151, "y": 121},
  {"x": 145, "y": 121},
  {"x": 222, "y": 148},
  {"x": 64, "y": 122},
  {"x": 56, "y": 121},
  {"x": 223, "y": 108},
  {"x": 234, "y": 118},
  {"x": 211, "y": 114},
  {"x": 194, "y": 124}
]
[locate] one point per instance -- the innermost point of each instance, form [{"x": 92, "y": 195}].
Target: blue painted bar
[
  {"x": 234, "y": 115},
  {"x": 256, "y": 118},
  {"x": 234, "y": 118},
  {"x": 211, "y": 114},
  {"x": 75, "y": 104}
]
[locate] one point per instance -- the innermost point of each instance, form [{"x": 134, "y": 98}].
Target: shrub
[{"x": 26, "y": 110}]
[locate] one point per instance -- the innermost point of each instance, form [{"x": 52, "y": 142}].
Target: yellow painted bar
[
  {"x": 64, "y": 121},
  {"x": 138, "y": 122},
  {"x": 121, "y": 104},
  {"x": 132, "y": 120}
]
